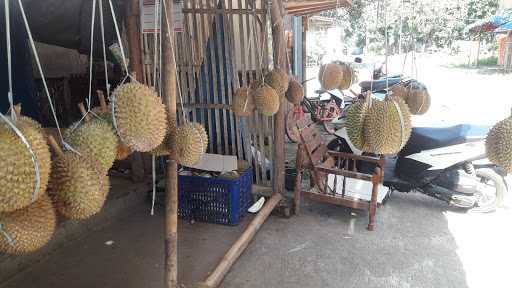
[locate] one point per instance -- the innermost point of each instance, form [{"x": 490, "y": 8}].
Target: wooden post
[
  {"x": 243, "y": 241},
  {"x": 478, "y": 50},
  {"x": 169, "y": 97},
  {"x": 280, "y": 61},
  {"x": 133, "y": 15}
]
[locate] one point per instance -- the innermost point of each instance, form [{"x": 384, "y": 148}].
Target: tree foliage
[{"x": 425, "y": 23}]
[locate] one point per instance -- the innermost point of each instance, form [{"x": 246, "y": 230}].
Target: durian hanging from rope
[
  {"x": 415, "y": 94},
  {"x": 243, "y": 102},
  {"x": 191, "y": 143},
  {"x": 104, "y": 112},
  {"x": 387, "y": 126},
  {"x": 95, "y": 138},
  {"x": 330, "y": 76},
  {"x": 79, "y": 185},
  {"x": 349, "y": 76},
  {"x": 295, "y": 92},
  {"x": 28, "y": 229},
  {"x": 498, "y": 144},
  {"x": 140, "y": 116},
  {"x": 18, "y": 176},
  {"x": 278, "y": 80},
  {"x": 355, "y": 118},
  {"x": 267, "y": 100}
]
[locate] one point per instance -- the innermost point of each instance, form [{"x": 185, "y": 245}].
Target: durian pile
[
  {"x": 336, "y": 75},
  {"x": 498, "y": 144},
  {"x": 379, "y": 127},
  {"x": 415, "y": 94}
]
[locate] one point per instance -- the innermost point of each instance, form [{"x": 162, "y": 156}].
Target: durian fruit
[
  {"x": 104, "y": 112},
  {"x": 498, "y": 144},
  {"x": 415, "y": 94},
  {"x": 95, "y": 138},
  {"x": 295, "y": 93},
  {"x": 278, "y": 80},
  {"x": 163, "y": 149},
  {"x": 189, "y": 144},
  {"x": 27, "y": 229},
  {"x": 79, "y": 185},
  {"x": 331, "y": 77},
  {"x": 356, "y": 115},
  {"x": 17, "y": 171},
  {"x": 203, "y": 136},
  {"x": 243, "y": 102},
  {"x": 267, "y": 100},
  {"x": 387, "y": 126},
  {"x": 348, "y": 76},
  {"x": 140, "y": 116}
]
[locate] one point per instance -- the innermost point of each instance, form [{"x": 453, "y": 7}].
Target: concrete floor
[{"x": 418, "y": 243}]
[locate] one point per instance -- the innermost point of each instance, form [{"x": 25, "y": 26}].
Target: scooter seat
[
  {"x": 379, "y": 85},
  {"x": 425, "y": 138}
]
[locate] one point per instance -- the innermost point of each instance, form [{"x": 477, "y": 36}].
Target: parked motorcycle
[{"x": 449, "y": 164}]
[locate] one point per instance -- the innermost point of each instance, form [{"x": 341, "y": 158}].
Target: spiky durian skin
[
  {"x": 164, "y": 149},
  {"x": 95, "y": 138},
  {"x": 17, "y": 172},
  {"x": 385, "y": 132},
  {"x": 123, "y": 151},
  {"x": 356, "y": 115},
  {"x": 332, "y": 76},
  {"x": 30, "y": 228},
  {"x": 498, "y": 144},
  {"x": 203, "y": 136},
  {"x": 243, "y": 102},
  {"x": 278, "y": 80},
  {"x": 295, "y": 93},
  {"x": 140, "y": 116},
  {"x": 418, "y": 98},
  {"x": 267, "y": 100},
  {"x": 79, "y": 186},
  {"x": 189, "y": 145}
]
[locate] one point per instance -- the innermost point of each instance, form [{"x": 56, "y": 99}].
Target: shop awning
[
  {"x": 504, "y": 28},
  {"x": 491, "y": 23},
  {"x": 305, "y": 7}
]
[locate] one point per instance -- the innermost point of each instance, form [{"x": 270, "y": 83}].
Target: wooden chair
[{"x": 313, "y": 155}]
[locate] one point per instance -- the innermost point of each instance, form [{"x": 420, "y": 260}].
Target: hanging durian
[
  {"x": 163, "y": 149},
  {"x": 331, "y": 77},
  {"x": 267, "y": 100},
  {"x": 278, "y": 80},
  {"x": 295, "y": 93},
  {"x": 190, "y": 144},
  {"x": 27, "y": 229},
  {"x": 499, "y": 144},
  {"x": 356, "y": 115},
  {"x": 104, "y": 112},
  {"x": 95, "y": 138},
  {"x": 348, "y": 78},
  {"x": 140, "y": 116},
  {"x": 415, "y": 94},
  {"x": 203, "y": 136},
  {"x": 79, "y": 185},
  {"x": 18, "y": 171},
  {"x": 387, "y": 126},
  {"x": 243, "y": 102}
]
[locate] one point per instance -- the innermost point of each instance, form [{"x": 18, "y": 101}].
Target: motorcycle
[{"x": 449, "y": 164}]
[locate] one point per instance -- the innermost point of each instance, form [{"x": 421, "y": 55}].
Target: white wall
[{"x": 505, "y": 4}]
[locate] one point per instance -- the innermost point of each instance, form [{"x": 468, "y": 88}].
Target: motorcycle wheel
[{"x": 491, "y": 191}]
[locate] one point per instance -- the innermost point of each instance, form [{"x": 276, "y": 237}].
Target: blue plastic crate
[{"x": 214, "y": 200}]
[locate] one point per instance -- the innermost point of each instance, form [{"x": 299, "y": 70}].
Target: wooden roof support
[{"x": 171, "y": 182}]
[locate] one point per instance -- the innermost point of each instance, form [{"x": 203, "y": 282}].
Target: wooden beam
[
  {"x": 280, "y": 61},
  {"x": 133, "y": 31},
  {"x": 216, "y": 277},
  {"x": 171, "y": 182}
]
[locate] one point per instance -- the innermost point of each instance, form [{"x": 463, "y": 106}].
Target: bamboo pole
[
  {"x": 216, "y": 277},
  {"x": 280, "y": 61},
  {"x": 133, "y": 32},
  {"x": 171, "y": 202}
]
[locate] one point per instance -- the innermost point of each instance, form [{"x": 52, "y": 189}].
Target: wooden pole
[
  {"x": 241, "y": 244},
  {"x": 280, "y": 61},
  {"x": 478, "y": 50},
  {"x": 132, "y": 27},
  {"x": 169, "y": 97}
]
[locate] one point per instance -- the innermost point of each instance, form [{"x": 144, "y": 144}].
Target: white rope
[
  {"x": 39, "y": 67},
  {"x": 155, "y": 43},
  {"x": 402, "y": 124},
  {"x": 386, "y": 43},
  {"x": 9, "y": 58},
  {"x": 91, "y": 60},
  {"x": 153, "y": 196},
  {"x": 107, "y": 84},
  {"x": 6, "y": 235},
  {"x": 171, "y": 42},
  {"x": 33, "y": 155}
]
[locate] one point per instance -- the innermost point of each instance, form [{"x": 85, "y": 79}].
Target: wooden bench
[{"x": 327, "y": 167}]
